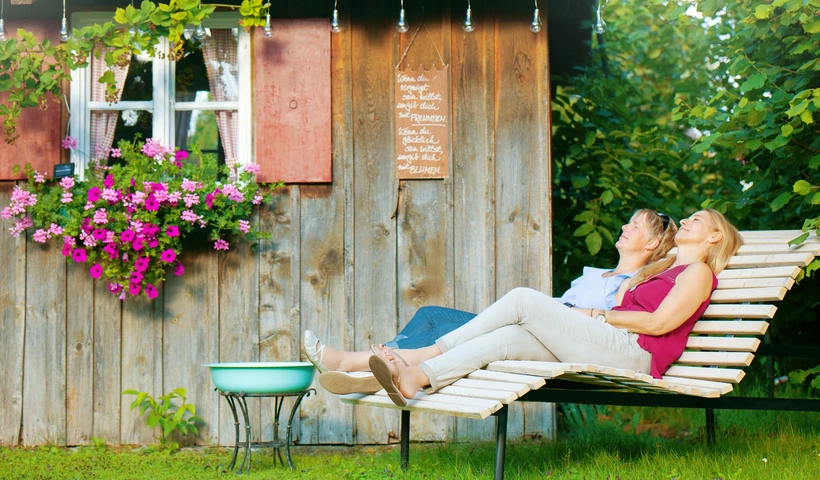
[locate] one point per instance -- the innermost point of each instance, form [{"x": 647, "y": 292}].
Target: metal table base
[{"x": 240, "y": 399}]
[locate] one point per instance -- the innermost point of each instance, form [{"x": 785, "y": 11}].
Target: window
[{"x": 203, "y": 98}]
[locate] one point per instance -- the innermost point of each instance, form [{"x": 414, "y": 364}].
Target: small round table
[{"x": 240, "y": 399}]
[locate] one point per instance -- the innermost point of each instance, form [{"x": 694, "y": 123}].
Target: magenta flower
[
  {"x": 69, "y": 142},
  {"x": 168, "y": 256},
  {"x": 100, "y": 234},
  {"x": 94, "y": 194},
  {"x": 111, "y": 250},
  {"x": 172, "y": 231},
  {"x": 67, "y": 249},
  {"x": 141, "y": 264},
  {"x": 134, "y": 289},
  {"x": 78, "y": 255},
  {"x": 179, "y": 269},
  {"x": 136, "y": 277},
  {"x": 114, "y": 288},
  {"x": 220, "y": 245},
  {"x": 151, "y": 203},
  {"x": 153, "y": 243},
  {"x": 151, "y": 291},
  {"x": 109, "y": 181},
  {"x": 128, "y": 235},
  {"x": 96, "y": 271},
  {"x": 137, "y": 244},
  {"x": 150, "y": 230},
  {"x": 181, "y": 155}
]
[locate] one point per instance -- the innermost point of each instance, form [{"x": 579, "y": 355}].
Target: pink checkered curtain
[
  {"x": 219, "y": 50},
  {"x": 104, "y": 123}
]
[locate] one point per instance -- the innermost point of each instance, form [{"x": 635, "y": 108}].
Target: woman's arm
[{"x": 692, "y": 287}]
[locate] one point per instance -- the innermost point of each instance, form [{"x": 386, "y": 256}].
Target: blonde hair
[
  {"x": 664, "y": 229},
  {"x": 721, "y": 252},
  {"x": 717, "y": 257}
]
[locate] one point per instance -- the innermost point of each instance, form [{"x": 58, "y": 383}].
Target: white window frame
[{"x": 163, "y": 105}]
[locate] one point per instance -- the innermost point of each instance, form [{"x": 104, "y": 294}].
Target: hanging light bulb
[
  {"x": 2, "y": 22},
  {"x": 536, "y": 24},
  {"x": 64, "y": 33},
  {"x": 402, "y": 25},
  {"x": 200, "y": 32},
  {"x": 600, "y": 24},
  {"x": 268, "y": 29},
  {"x": 468, "y": 24},
  {"x": 335, "y": 26}
]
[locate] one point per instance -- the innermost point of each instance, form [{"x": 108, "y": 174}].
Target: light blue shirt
[{"x": 593, "y": 290}]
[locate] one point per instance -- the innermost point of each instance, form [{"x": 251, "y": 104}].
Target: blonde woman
[
  {"x": 646, "y": 332},
  {"x": 647, "y": 237}
]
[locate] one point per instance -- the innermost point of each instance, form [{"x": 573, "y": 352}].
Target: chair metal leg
[
  {"x": 405, "y": 439},
  {"x": 500, "y": 441},
  {"x": 710, "y": 426}
]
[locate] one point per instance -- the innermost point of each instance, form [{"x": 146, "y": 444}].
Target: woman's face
[
  {"x": 698, "y": 228},
  {"x": 634, "y": 235}
]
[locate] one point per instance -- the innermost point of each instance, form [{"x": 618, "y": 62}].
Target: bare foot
[{"x": 407, "y": 379}]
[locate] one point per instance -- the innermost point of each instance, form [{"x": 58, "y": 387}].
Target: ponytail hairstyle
[
  {"x": 720, "y": 253},
  {"x": 662, "y": 227}
]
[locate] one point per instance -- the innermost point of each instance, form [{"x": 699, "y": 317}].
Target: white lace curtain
[
  {"x": 104, "y": 123},
  {"x": 219, "y": 51}
]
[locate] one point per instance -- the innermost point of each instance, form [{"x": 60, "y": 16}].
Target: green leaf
[
  {"x": 807, "y": 117},
  {"x": 781, "y": 201},
  {"x": 814, "y": 162},
  {"x": 594, "y": 242},
  {"x": 802, "y": 187},
  {"x": 813, "y": 27},
  {"x": 797, "y": 109},
  {"x": 763, "y": 12},
  {"x": 815, "y": 199},
  {"x": 583, "y": 230},
  {"x": 799, "y": 240},
  {"x": 786, "y": 130},
  {"x": 754, "y": 82},
  {"x": 607, "y": 197}
]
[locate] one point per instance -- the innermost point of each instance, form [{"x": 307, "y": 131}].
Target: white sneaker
[{"x": 314, "y": 351}]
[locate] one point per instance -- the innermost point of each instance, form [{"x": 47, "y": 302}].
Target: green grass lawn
[{"x": 750, "y": 445}]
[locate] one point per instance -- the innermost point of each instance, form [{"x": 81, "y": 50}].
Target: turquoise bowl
[{"x": 262, "y": 377}]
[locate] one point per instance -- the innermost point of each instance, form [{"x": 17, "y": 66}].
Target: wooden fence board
[
  {"x": 107, "y": 364},
  {"x": 79, "y": 356},
  {"x": 191, "y": 335},
  {"x": 375, "y": 196},
  {"x": 279, "y": 285},
  {"x": 12, "y": 325},
  {"x": 44, "y": 352},
  {"x": 141, "y": 362},
  {"x": 238, "y": 326}
]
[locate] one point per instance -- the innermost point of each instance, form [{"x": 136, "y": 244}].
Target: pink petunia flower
[
  {"x": 127, "y": 235},
  {"x": 111, "y": 250},
  {"x": 151, "y": 203},
  {"x": 109, "y": 181},
  {"x": 179, "y": 269},
  {"x": 136, "y": 277},
  {"x": 168, "y": 256},
  {"x": 151, "y": 291},
  {"x": 134, "y": 289},
  {"x": 96, "y": 271},
  {"x": 79, "y": 255},
  {"x": 137, "y": 244},
  {"x": 153, "y": 243},
  {"x": 181, "y": 155},
  {"x": 100, "y": 234},
  {"x": 67, "y": 248},
  {"x": 114, "y": 288},
  {"x": 141, "y": 264},
  {"x": 94, "y": 194}
]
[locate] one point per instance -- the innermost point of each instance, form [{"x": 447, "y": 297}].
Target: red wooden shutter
[
  {"x": 292, "y": 101},
  {"x": 39, "y": 130}
]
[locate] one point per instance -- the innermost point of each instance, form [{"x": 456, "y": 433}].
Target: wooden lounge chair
[{"x": 722, "y": 343}]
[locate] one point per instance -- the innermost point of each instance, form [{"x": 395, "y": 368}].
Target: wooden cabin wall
[{"x": 352, "y": 260}]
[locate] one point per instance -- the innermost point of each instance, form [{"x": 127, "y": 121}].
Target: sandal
[
  {"x": 342, "y": 383},
  {"x": 313, "y": 353},
  {"x": 377, "y": 348},
  {"x": 381, "y": 370}
]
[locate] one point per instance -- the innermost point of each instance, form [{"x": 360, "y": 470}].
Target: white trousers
[{"x": 526, "y": 324}]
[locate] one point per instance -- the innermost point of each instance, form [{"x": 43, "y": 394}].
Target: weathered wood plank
[
  {"x": 323, "y": 303},
  {"x": 279, "y": 258},
  {"x": 12, "y": 325},
  {"x": 522, "y": 171},
  {"x": 141, "y": 361},
  {"x": 238, "y": 325},
  {"x": 473, "y": 167},
  {"x": 375, "y": 188},
  {"x": 79, "y": 357},
  {"x": 190, "y": 337},
  {"x": 44, "y": 355},
  {"x": 107, "y": 364}
]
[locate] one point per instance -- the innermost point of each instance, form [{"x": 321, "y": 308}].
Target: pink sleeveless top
[{"x": 646, "y": 297}]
